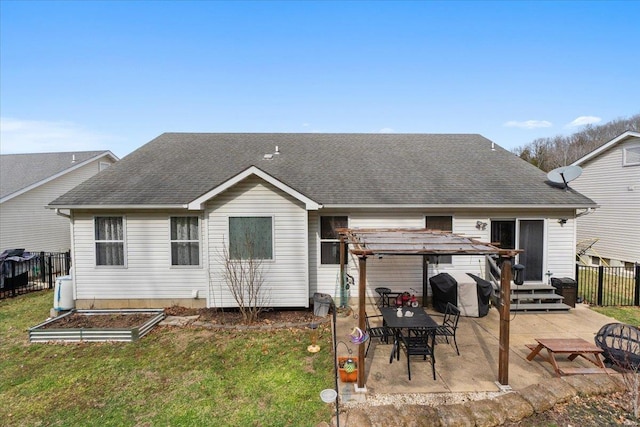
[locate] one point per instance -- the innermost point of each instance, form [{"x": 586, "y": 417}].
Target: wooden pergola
[{"x": 378, "y": 242}]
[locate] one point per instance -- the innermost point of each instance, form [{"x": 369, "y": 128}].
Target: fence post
[
  {"x": 600, "y": 283},
  {"x": 67, "y": 259},
  {"x": 636, "y": 299},
  {"x": 577, "y": 279},
  {"x": 50, "y": 275},
  {"x": 43, "y": 274},
  {"x": 13, "y": 278}
]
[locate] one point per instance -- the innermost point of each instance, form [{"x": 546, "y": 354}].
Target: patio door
[
  {"x": 531, "y": 240},
  {"x": 529, "y": 236}
]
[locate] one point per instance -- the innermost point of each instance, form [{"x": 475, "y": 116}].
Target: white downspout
[{"x": 62, "y": 214}]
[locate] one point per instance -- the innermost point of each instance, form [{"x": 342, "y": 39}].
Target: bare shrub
[{"x": 244, "y": 276}]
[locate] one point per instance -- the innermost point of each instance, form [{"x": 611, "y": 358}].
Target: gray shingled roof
[
  {"x": 331, "y": 169},
  {"x": 19, "y": 171}
]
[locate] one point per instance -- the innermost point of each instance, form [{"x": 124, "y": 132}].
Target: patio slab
[{"x": 476, "y": 369}]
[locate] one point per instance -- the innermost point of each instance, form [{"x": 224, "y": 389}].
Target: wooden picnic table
[{"x": 574, "y": 347}]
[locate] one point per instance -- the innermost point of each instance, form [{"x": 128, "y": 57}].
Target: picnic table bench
[{"x": 574, "y": 347}]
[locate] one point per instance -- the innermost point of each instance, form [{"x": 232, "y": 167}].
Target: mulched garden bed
[
  {"x": 234, "y": 317},
  {"x": 103, "y": 321},
  {"x": 211, "y": 315}
]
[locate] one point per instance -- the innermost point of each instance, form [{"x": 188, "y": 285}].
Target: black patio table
[{"x": 420, "y": 319}]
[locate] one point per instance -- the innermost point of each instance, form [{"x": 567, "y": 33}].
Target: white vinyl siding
[
  {"x": 295, "y": 273},
  {"x": 616, "y": 189},
  {"x": 286, "y": 275},
  {"x": 149, "y": 274},
  {"x": 26, "y": 223}
]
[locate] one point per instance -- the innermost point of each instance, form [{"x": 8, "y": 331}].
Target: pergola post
[
  {"x": 362, "y": 291},
  {"x": 505, "y": 317}
]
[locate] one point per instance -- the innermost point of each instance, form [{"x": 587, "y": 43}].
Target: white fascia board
[
  {"x": 198, "y": 204},
  {"x": 56, "y": 176},
  {"x": 605, "y": 147},
  {"x": 400, "y": 207}
]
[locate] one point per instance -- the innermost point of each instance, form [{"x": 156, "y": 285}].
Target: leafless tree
[
  {"x": 550, "y": 153},
  {"x": 244, "y": 277}
]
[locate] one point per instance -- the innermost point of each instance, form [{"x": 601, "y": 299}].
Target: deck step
[
  {"x": 550, "y": 306},
  {"x": 532, "y": 288},
  {"x": 536, "y": 297}
]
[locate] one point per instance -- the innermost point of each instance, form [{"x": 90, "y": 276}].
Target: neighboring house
[
  {"x": 28, "y": 182},
  {"x": 611, "y": 177},
  {"x": 152, "y": 230}
]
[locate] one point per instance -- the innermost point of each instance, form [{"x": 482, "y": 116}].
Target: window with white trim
[
  {"x": 631, "y": 156},
  {"x": 251, "y": 237},
  {"x": 109, "y": 240},
  {"x": 329, "y": 239},
  {"x": 185, "y": 240},
  {"x": 440, "y": 223}
]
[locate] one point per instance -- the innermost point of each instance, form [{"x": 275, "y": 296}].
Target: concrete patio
[{"x": 475, "y": 371}]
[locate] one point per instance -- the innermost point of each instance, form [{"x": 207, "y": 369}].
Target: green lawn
[
  {"x": 630, "y": 315},
  {"x": 171, "y": 377}
]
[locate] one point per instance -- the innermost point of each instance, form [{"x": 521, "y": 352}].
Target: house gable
[
  {"x": 24, "y": 172},
  {"x": 615, "y": 186},
  {"x": 198, "y": 204},
  {"x": 605, "y": 147}
]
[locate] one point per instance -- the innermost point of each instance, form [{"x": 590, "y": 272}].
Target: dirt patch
[
  {"x": 594, "y": 411},
  {"x": 234, "y": 317},
  {"x": 100, "y": 321}
]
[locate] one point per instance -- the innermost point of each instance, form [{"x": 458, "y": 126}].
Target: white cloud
[
  {"x": 529, "y": 124},
  {"x": 386, "y": 130},
  {"x": 583, "y": 120},
  {"x": 38, "y": 136}
]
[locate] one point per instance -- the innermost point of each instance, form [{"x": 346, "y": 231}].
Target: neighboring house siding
[
  {"x": 26, "y": 223},
  {"x": 286, "y": 276},
  {"x": 148, "y": 274},
  {"x": 616, "y": 188}
]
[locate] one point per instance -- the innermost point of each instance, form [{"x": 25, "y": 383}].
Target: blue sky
[{"x": 114, "y": 75}]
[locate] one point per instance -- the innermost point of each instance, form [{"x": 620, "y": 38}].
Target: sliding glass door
[{"x": 529, "y": 235}]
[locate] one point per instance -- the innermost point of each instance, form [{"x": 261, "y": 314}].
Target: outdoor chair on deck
[
  {"x": 381, "y": 332},
  {"x": 419, "y": 342},
  {"x": 449, "y": 324}
]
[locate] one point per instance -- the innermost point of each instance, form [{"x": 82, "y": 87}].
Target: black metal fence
[
  {"x": 607, "y": 286},
  {"x": 35, "y": 274}
]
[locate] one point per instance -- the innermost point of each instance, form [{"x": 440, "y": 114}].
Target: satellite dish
[{"x": 564, "y": 175}]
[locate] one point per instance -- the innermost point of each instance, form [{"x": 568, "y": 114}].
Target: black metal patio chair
[
  {"x": 449, "y": 324},
  {"x": 380, "y": 332},
  {"x": 419, "y": 342}
]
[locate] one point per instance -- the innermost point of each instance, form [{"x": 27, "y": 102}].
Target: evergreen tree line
[{"x": 550, "y": 153}]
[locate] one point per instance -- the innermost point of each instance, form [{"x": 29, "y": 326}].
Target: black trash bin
[
  {"x": 566, "y": 287},
  {"x": 321, "y": 304}
]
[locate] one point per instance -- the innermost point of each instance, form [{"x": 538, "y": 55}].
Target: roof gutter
[
  {"x": 454, "y": 206},
  {"x": 585, "y": 212},
  {"x": 117, "y": 207}
]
